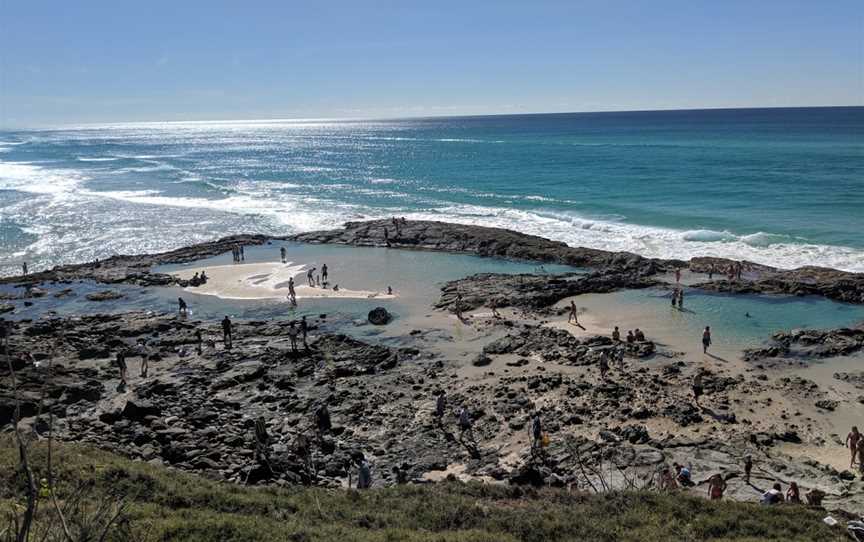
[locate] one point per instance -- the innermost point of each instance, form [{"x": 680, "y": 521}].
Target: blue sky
[{"x": 100, "y": 61}]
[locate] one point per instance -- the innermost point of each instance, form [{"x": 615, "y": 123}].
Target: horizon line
[{"x": 98, "y": 124}]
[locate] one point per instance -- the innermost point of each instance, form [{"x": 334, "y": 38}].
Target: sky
[{"x": 92, "y": 61}]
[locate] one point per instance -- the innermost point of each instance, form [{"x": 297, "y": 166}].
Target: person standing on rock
[
  {"x": 364, "y": 471},
  {"x": 227, "y": 338},
  {"x": 697, "y": 387},
  {"x": 386, "y": 237},
  {"x": 24, "y": 268},
  {"x": 748, "y": 468},
  {"x": 711, "y": 272},
  {"x": 716, "y": 487},
  {"x": 706, "y": 339},
  {"x": 536, "y": 431},
  {"x": 604, "y": 365},
  {"x": 199, "y": 340},
  {"x": 440, "y": 407},
  {"x": 459, "y": 306},
  {"x": 183, "y": 309},
  {"x": 677, "y": 274},
  {"x": 292, "y": 336},
  {"x": 324, "y": 274},
  {"x": 322, "y": 419},
  {"x": 852, "y": 441},
  {"x": 284, "y": 254},
  {"x": 619, "y": 352},
  {"x": 304, "y": 332},
  {"x": 144, "y": 349},
  {"x": 121, "y": 366},
  {"x": 465, "y": 423}
]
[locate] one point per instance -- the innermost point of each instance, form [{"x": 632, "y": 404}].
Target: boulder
[{"x": 379, "y": 316}]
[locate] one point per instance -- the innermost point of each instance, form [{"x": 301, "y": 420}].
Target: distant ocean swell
[{"x": 54, "y": 195}]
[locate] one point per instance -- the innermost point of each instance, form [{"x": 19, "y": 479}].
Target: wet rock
[
  {"x": 379, "y": 316},
  {"x": 104, "y": 295},
  {"x": 6, "y": 307}
]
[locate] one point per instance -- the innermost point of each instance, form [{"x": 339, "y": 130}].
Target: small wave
[
  {"x": 27, "y": 177},
  {"x": 707, "y": 236},
  {"x": 97, "y": 159},
  {"x": 762, "y": 239}
]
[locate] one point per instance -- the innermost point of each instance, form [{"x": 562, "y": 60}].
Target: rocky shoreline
[
  {"x": 197, "y": 412},
  {"x": 476, "y": 240}
]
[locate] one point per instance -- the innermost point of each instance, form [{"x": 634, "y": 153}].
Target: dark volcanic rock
[
  {"x": 379, "y": 316},
  {"x": 811, "y": 343},
  {"x": 533, "y": 291},
  {"x": 138, "y": 409}
]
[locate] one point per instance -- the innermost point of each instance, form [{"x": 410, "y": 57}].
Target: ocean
[{"x": 783, "y": 187}]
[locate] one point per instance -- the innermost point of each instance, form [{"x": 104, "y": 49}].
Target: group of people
[
  {"x": 198, "y": 278},
  {"x": 238, "y": 253}
]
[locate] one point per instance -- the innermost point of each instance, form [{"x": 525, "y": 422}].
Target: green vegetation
[{"x": 169, "y": 505}]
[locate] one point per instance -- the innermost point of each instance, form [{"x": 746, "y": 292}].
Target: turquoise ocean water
[{"x": 777, "y": 186}]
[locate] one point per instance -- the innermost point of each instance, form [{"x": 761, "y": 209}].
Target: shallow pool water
[
  {"x": 728, "y": 314},
  {"x": 415, "y": 276}
]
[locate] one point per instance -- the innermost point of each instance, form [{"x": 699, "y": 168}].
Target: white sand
[{"x": 265, "y": 281}]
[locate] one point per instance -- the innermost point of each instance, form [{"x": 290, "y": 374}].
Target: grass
[{"x": 171, "y": 505}]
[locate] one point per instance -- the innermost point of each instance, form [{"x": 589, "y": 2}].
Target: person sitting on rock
[
  {"x": 203, "y": 277},
  {"x": 630, "y": 337},
  {"x": 322, "y": 419},
  {"x": 682, "y": 475},
  {"x": 195, "y": 280},
  {"x": 814, "y": 497},
  {"x": 773, "y": 495},
  {"x": 616, "y": 335},
  {"x": 638, "y": 335}
]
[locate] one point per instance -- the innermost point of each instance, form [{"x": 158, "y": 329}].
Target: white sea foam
[
  {"x": 28, "y": 177},
  {"x": 97, "y": 159}
]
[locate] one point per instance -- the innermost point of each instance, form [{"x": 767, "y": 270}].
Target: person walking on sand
[
  {"x": 183, "y": 309},
  {"x": 716, "y": 487},
  {"x": 227, "y": 339},
  {"x": 292, "y": 295},
  {"x": 574, "y": 314},
  {"x": 284, "y": 254},
  {"x": 706, "y": 339},
  {"x": 852, "y": 440},
  {"x": 324, "y": 273}
]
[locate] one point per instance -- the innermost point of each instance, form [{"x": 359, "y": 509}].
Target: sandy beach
[{"x": 266, "y": 281}]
